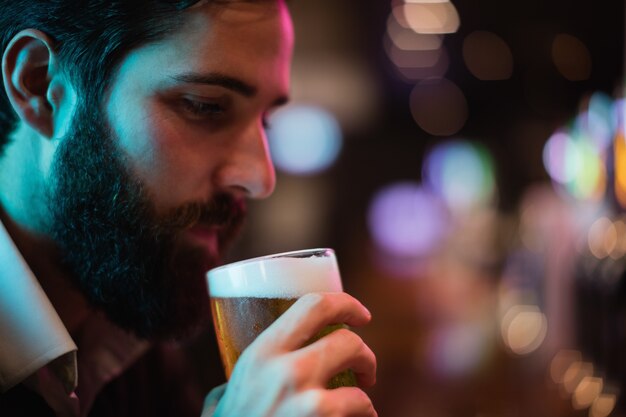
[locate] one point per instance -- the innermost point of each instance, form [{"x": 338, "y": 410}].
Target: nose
[{"x": 247, "y": 166}]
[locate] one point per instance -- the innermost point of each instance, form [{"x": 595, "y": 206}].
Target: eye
[{"x": 201, "y": 109}]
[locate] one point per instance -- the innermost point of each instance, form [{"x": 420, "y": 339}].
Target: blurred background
[{"x": 467, "y": 161}]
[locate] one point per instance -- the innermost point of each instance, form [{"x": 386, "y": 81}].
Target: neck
[
  {"x": 44, "y": 259},
  {"x": 24, "y": 168},
  {"x": 22, "y": 209}
]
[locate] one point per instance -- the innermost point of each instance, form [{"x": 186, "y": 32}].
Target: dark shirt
[{"x": 166, "y": 381}]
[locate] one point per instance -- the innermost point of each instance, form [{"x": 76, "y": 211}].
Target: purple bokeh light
[{"x": 407, "y": 220}]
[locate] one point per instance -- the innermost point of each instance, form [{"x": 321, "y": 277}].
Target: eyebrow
[{"x": 226, "y": 81}]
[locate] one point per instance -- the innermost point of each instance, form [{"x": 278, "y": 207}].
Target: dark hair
[{"x": 91, "y": 37}]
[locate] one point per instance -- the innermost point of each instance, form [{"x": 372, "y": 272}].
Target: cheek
[{"x": 170, "y": 162}]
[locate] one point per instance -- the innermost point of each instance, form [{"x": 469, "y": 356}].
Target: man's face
[{"x": 149, "y": 190}]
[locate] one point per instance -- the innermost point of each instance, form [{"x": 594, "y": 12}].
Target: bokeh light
[
  {"x": 603, "y": 405},
  {"x": 462, "y": 173},
  {"x": 423, "y": 59},
  {"x": 415, "y": 56},
  {"x": 438, "y": 106},
  {"x": 414, "y": 38},
  {"x": 599, "y": 120},
  {"x": 574, "y": 374},
  {"x": 459, "y": 349},
  {"x": 414, "y": 72},
  {"x": 602, "y": 238},
  {"x": 576, "y": 157},
  {"x": 619, "y": 148},
  {"x": 576, "y": 380},
  {"x": 407, "y": 220},
  {"x": 487, "y": 56},
  {"x": 575, "y": 164},
  {"x": 426, "y": 1},
  {"x": 586, "y": 392},
  {"x": 406, "y": 39},
  {"x": 561, "y": 157},
  {"x": 429, "y": 18},
  {"x": 619, "y": 249},
  {"x": 571, "y": 57},
  {"x": 618, "y": 116},
  {"x": 304, "y": 139},
  {"x": 590, "y": 180},
  {"x": 561, "y": 363},
  {"x": 524, "y": 328}
]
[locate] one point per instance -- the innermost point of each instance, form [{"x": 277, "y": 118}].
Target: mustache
[{"x": 223, "y": 211}]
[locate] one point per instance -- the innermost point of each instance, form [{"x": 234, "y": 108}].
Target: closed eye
[{"x": 200, "y": 109}]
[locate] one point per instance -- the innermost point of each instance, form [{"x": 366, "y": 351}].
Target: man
[{"x": 133, "y": 133}]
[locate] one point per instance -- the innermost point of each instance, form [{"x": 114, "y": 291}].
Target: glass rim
[{"x": 301, "y": 253}]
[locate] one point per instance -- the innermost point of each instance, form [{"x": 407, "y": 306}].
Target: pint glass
[{"x": 247, "y": 296}]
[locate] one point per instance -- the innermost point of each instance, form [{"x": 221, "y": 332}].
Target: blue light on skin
[
  {"x": 406, "y": 220},
  {"x": 304, "y": 140}
]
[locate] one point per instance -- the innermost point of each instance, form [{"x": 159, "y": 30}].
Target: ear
[{"x": 28, "y": 70}]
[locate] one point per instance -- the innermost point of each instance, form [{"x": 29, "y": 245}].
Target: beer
[
  {"x": 235, "y": 334},
  {"x": 248, "y": 296}
]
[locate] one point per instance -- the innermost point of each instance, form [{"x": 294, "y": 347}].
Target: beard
[{"x": 128, "y": 261}]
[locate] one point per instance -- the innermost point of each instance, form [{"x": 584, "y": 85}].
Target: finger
[
  {"x": 340, "y": 402},
  {"x": 309, "y": 315},
  {"x": 211, "y": 400},
  {"x": 345, "y": 402},
  {"x": 334, "y": 353}
]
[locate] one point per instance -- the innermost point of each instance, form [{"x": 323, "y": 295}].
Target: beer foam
[{"x": 275, "y": 277}]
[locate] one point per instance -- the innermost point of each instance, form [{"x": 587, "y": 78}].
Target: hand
[
  {"x": 211, "y": 400},
  {"x": 277, "y": 376}
]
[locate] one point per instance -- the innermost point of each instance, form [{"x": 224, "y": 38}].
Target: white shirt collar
[{"x": 31, "y": 332}]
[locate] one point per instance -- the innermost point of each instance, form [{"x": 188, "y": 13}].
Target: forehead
[
  {"x": 266, "y": 24},
  {"x": 249, "y": 40},
  {"x": 238, "y": 29}
]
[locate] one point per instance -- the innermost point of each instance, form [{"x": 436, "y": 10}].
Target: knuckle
[
  {"x": 330, "y": 307},
  {"x": 314, "y": 299},
  {"x": 347, "y": 339},
  {"x": 322, "y": 405},
  {"x": 297, "y": 373},
  {"x": 314, "y": 402},
  {"x": 284, "y": 373},
  {"x": 349, "y": 403},
  {"x": 318, "y": 302},
  {"x": 293, "y": 373}
]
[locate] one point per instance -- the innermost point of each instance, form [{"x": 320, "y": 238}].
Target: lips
[{"x": 205, "y": 236}]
